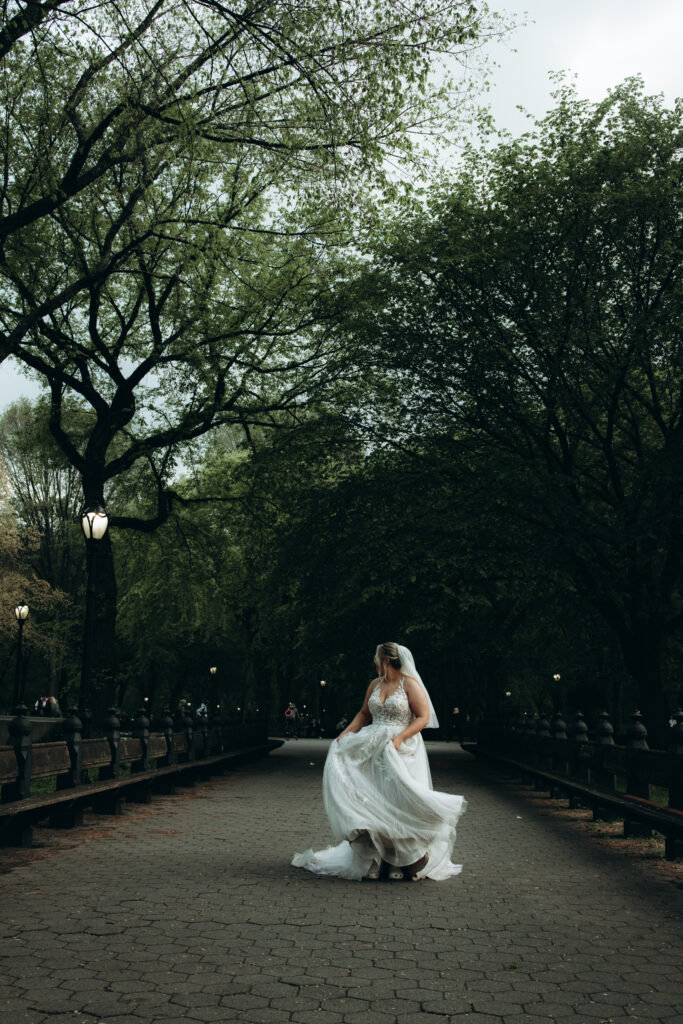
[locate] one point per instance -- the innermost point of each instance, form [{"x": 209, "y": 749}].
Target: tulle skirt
[{"x": 381, "y": 807}]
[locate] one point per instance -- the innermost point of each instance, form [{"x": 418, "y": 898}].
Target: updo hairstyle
[{"x": 387, "y": 652}]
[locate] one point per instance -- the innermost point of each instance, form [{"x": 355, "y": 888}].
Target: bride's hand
[{"x": 397, "y": 741}]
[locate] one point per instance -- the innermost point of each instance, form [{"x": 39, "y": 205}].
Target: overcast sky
[{"x": 601, "y": 41}]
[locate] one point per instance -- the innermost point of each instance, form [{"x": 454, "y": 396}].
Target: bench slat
[
  {"x": 50, "y": 759},
  {"x": 157, "y": 745},
  {"x": 96, "y": 753},
  {"x": 131, "y": 749}
]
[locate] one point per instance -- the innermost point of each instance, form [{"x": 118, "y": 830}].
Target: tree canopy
[
  {"x": 535, "y": 311},
  {"x": 179, "y": 177}
]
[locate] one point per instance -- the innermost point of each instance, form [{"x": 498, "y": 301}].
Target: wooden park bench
[
  {"x": 154, "y": 763},
  {"x": 613, "y": 781}
]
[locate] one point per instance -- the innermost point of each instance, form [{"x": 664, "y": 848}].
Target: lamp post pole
[
  {"x": 94, "y": 521},
  {"x": 557, "y": 703},
  {"x": 213, "y": 693},
  {"x": 321, "y": 715},
  {"x": 21, "y": 613}
]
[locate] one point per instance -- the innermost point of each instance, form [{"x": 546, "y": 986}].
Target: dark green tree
[{"x": 536, "y": 312}]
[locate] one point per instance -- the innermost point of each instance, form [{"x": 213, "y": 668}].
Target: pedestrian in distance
[
  {"x": 456, "y": 725},
  {"x": 292, "y": 721}
]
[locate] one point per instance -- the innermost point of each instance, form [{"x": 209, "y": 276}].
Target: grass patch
[{"x": 39, "y": 787}]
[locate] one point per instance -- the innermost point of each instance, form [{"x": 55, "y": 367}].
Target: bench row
[
  {"x": 642, "y": 786},
  {"x": 100, "y": 773}
]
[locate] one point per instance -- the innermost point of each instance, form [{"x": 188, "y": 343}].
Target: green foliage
[
  {"x": 535, "y": 313},
  {"x": 179, "y": 180}
]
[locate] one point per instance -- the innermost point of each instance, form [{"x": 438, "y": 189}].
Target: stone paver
[{"x": 189, "y": 910}]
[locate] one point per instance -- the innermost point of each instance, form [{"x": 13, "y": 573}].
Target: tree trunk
[
  {"x": 52, "y": 684},
  {"x": 494, "y": 683}
]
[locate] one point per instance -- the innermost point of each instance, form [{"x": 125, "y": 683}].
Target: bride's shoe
[
  {"x": 395, "y": 874},
  {"x": 419, "y": 865},
  {"x": 374, "y": 870}
]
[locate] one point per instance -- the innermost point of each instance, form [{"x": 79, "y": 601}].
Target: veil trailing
[{"x": 408, "y": 666}]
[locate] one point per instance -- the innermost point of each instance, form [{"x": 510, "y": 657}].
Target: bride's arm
[
  {"x": 363, "y": 717},
  {"x": 419, "y": 705}
]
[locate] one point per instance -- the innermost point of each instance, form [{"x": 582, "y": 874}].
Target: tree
[
  {"x": 342, "y": 548},
  {"x": 45, "y": 489},
  {"x": 277, "y": 100},
  {"x": 190, "y": 169},
  {"x": 536, "y": 312},
  {"x": 314, "y": 548},
  {"x": 19, "y": 545},
  {"x": 44, "y": 494}
]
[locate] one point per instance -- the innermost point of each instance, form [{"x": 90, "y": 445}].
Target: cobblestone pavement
[{"x": 189, "y": 910}]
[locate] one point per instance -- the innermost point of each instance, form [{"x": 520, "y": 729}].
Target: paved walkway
[{"x": 189, "y": 910}]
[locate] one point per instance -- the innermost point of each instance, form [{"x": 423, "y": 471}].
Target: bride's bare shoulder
[{"x": 410, "y": 684}]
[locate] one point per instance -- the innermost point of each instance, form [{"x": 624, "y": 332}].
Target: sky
[{"x": 602, "y": 42}]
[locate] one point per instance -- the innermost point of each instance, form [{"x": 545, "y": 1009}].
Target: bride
[{"x": 377, "y": 787}]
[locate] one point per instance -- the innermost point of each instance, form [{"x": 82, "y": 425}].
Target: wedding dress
[{"x": 380, "y": 801}]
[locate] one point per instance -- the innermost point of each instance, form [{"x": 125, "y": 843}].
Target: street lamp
[
  {"x": 94, "y": 521},
  {"x": 21, "y": 613}
]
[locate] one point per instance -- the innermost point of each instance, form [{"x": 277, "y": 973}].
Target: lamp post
[
  {"x": 556, "y": 692},
  {"x": 94, "y": 521},
  {"x": 21, "y": 613},
  {"x": 213, "y": 694},
  {"x": 321, "y": 701}
]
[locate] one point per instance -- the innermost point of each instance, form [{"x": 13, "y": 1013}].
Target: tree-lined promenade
[{"x": 327, "y": 393}]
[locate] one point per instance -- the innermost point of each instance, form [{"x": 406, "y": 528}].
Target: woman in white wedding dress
[{"x": 377, "y": 787}]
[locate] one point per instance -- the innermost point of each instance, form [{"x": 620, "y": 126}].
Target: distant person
[
  {"x": 456, "y": 725},
  {"x": 41, "y": 706},
  {"x": 292, "y": 721}
]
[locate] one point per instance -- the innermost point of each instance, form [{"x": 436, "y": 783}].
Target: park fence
[{"x": 629, "y": 781}]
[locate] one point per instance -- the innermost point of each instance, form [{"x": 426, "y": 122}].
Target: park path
[{"x": 188, "y": 910}]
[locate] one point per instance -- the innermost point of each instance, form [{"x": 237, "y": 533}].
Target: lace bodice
[{"x": 395, "y": 711}]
